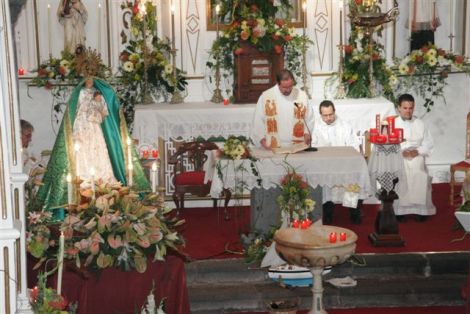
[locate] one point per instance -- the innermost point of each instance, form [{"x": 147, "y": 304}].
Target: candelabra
[
  {"x": 369, "y": 16},
  {"x": 217, "y": 96}
]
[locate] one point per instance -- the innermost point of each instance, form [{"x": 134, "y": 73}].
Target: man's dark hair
[
  {"x": 285, "y": 75},
  {"x": 326, "y": 104},
  {"x": 405, "y": 97},
  {"x": 26, "y": 125}
]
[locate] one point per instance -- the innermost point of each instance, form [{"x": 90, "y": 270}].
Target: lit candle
[
  {"x": 304, "y": 224},
  {"x": 60, "y": 263},
  {"x": 295, "y": 223},
  {"x": 342, "y": 236},
  {"x": 49, "y": 28},
  {"x": 304, "y": 9},
  {"x": 21, "y": 71},
  {"x": 155, "y": 153},
  {"x": 129, "y": 152},
  {"x": 92, "y": 175},
  {"x": 130, "y": 180},
  {"x": 451, "y": 17},
  {"x": 99, "y": 27},
  {"x": 76, "y": 148},
  {"x": 69, "y": 188},
  {"x": 154, "y": 177},
  {"x": 410, "y": 18},
  {"x": 217, "y": 9},
  {"x": 333, "y": 237}
]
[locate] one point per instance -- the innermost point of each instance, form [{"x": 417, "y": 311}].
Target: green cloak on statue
[{"x": 53, "y": 193}]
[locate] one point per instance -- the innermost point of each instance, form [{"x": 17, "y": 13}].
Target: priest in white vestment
[
  {"x": 331, "y": 130},
  {"x": 417, "y": 146},
  {"x": 282, "y": 116}
]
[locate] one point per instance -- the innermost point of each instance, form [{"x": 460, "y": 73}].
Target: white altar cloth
[
  {"x": 188, "y": 120},
  {"x": 207, "y": 119},
  {"x": 329, "y": 166}
]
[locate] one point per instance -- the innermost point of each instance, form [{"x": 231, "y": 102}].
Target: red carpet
[
  {"x": 388, "y": 310},
  {"x": 207, "y": 235}
]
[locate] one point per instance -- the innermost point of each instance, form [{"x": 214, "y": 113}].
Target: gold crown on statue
[{"x": 88, "y": 62}]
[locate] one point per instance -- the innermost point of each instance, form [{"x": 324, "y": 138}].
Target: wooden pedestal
[
  {"x": 255, "y": 72},
  {"x": 386, "y": 225}
]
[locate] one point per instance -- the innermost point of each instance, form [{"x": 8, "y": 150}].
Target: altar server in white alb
[
  {"x": 331, "y": 130},
  {"x": 281, "y": 115},
  {"x": 417, "y": 146}
]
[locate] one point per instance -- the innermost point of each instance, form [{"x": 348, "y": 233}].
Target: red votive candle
[
  {"x": 309, "y": 222},
  {"x": 381, "y": 139},
  {"x": 333, "y": 237},
  {"x": 304, "y": 224},
  {"x": 145, "y": 154},
  {"x": 393, "y": 138},
  {"x": 21, "y": 71},
  {"x": 155, "y": 153},
  {"x": 226, "y": 102},
  {"x": 342, "y": 236},
  {"x": 295, "y": 223}
]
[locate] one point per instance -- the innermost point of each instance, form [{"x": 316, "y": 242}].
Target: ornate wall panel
[
  {"x": 321, "y": 34},
  {"x": 192, "y": 33}
]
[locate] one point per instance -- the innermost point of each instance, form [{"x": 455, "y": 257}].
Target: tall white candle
[
  {"x": 92, "y": 179},
  {"x": 129, "y": 151},
  {"x": 304, "y": 9},
  {"x": 69, "y": 188},
  {"x": 154, "y": 177},
  {"x": 99, "y": 27},
  {"x": 76, "y": 148},
  {"x": 340, "y": 4},
  {"x": 172, "y": 26},
  {"x": 49, "y": 28},
  {"x": 410, "y": 19},
  {"x": 451, "y": 16},
  {"x": 130, "y": 181},
  {"x": 60, "y": 263}
]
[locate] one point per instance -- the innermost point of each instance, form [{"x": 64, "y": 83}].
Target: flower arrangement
[
  {"x": 150, "y": 306},
  {"x": 425, "y": 71},
  {"x": 294, "y": 200},
  {"x": 117, "y": 228},
  {"x": 257, "y": 23},
  {"x": 146, "y": 52},
  {"x": 46, "y": 300},
  {"x": 236, "y": 148}
]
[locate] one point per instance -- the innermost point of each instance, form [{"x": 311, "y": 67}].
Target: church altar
[
  {"x": 157, "y": 124},
  {"x": 207, "y": 119}
]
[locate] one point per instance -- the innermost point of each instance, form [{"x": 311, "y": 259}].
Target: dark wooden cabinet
[{"x": 255, "y": 72}]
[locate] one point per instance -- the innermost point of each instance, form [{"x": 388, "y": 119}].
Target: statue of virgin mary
[{"x": 93, "y": 119}]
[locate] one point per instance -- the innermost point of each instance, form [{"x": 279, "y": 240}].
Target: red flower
[
  {"x": 62, "y": 71},
  {"x": 275, "y": 37},
  {"x": 279, "y": 22},
  {"x": 244, "y": 35},
  {"x": 59, "y": 304},
  {"x": 425, "y": 49},
  {"x": 375, "y": 56},
  {"x": 459, "y": 59},
  {"x": 238, "y": 51},
  {"x": 42, "y": 72},
  {"x": 441, "y": 52},
  {"x": 33, "y": 294},
  {"x": 419, "y": 59},
  {"x": 348, "y": 49},
  {"x": 278, "y": 49},
  {"x": 358, "y": 2},
  {"x": 124, "y": 56},
  {"x": 252, "y": 22},
  {"x": 135, "y": 8},
  {"x": 254, "y": 8},
  {"x": 48, "y": 85},
  {"x": 287, "y": 37}
]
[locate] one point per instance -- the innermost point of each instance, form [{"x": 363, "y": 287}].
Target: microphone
[{"x": 309, "y": 149}]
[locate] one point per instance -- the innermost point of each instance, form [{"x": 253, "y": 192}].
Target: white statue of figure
[
  {"x": 92, "y": 156},
  {"x": 73, "y": 16}
]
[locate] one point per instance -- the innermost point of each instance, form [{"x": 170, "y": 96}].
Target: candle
[
  {"x": 304, "y": 224},
  {"x": 391, "y": 123},
  {"x": 304, "y": 9},
  {"x": 130, "y": 181},
  {"x": 92, "y": 175},
  {"x": 145, "y": 154},
  {"x": 410, "y": 18},
  {"x": 49, "y": 29},
  {"x": 226, "y": 102},
  {"x": 399, "y": 132},
  {"x": 76, "y": 148},
  {"x": 451, "y": 17},
  {"x": 21, "y": 71},
  {"x": 172, "y": 26},
  {"x": 60, "y": 263},
  {"x": 333, "y": 237},
  {"x": 342, "y": 236},
  {"x": 377, "y": 122},
  {"x": 217, "y": 10},
  {"x": 295, "y": 223},
  {"x": 155, "y": 153},
  {"x": 69, "y": 188},
  {"x": 381, "y": 139},
  {"x": 154, "y": 177},
  {"x": 129, "y": 152},
  {"x": 99, "y": 27},
  {"x": 393, "y": 138},
  {"x": 340, "y": 4}
]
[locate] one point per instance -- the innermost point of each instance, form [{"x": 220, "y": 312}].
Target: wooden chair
[
  {"x": 193, "y": 155},
  {"x": 462, "y": 166}
]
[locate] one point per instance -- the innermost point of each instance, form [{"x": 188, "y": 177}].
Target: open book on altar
[{"x": 292, "y": 149}]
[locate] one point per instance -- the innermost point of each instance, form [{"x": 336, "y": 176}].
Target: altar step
[{"x": 383, "y": 280}]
